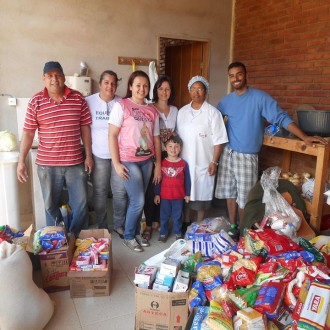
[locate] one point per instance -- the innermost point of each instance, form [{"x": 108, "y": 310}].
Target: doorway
[{"x": 182, "y": 59}]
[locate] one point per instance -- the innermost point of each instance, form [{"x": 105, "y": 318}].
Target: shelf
[
  {"x": 325, "y": 207},
  {"x": 317, "y": 207},
  {"x": 136, "y": 60}
]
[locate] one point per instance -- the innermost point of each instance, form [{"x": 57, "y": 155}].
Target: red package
[
  {"x": 292, "y": 264},
  {"x": 270, "y": 298},
  {"x": 245, "y": 270},
  {"x": 241, "y": 245},
  {"x": 268, "y": 267},
  {"x": 273, "y": 242},
  {"x": 229, "y": 307}
]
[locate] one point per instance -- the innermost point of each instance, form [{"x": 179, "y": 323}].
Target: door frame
[{"x": 168, "y": 41}]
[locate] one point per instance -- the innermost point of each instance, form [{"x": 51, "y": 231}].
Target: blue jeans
[
  {"x": 52, "y": 180},
  {"x": 119, "y": 199},
  {"x": 101, "y": 186},
  {"x": 136, "y": 185},
  {"x": 170, "y": 207}
]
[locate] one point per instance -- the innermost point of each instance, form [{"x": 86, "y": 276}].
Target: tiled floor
[{"x": 116, "y": 311}]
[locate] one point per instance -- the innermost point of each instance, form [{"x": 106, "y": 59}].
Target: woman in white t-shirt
[
  {"x": 136, "y": 124},
  {"x": 100, "y": 105}
]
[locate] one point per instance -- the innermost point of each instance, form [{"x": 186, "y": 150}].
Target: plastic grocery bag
[
  {"x": 279, "y": 214},
  {"x": 178, "y": 250}
]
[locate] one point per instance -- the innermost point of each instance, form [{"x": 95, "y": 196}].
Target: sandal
[{"x": 147, "y": 233}]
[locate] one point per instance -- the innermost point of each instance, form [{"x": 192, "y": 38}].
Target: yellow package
[{"x": 217, "y": 318}]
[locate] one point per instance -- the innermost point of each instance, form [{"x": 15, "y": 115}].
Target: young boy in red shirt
[{"x": 174, "y": 188}]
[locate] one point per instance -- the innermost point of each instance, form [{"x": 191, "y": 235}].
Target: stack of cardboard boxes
[{"x": 57, "y": 276}]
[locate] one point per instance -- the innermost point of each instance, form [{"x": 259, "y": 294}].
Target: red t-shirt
[{"x": 175, "y": 182}]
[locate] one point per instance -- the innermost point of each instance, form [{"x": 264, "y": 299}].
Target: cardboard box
[
  {"x": 54, "y": 266},
  {"x": 94, "y": 283},
  {"x": 160, "y": 310},
  {"x": 54, "y": 269}
]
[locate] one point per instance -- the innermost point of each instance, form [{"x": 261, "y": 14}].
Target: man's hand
[
  {"x": 22, "y": 173},
  {"x": 313, "y": 140},
  {"x": 89, "y": 165}
]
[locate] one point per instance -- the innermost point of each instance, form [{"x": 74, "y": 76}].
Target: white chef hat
[{"x": 200, "y": 79}]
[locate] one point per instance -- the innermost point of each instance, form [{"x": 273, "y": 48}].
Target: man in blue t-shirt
[{"x": 246, "y": 108}]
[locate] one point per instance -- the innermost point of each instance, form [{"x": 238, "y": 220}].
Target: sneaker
[
  {"x": 133, "y": 245},
  {"x": 162, "y": 238},
  {"x": 142, "y": 241},
  {"x": 178, "y": 236}
]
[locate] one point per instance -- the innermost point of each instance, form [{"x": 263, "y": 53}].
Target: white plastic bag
[
  {"x": 178, "y": 250},
  {"x": 278, "y": 212}
]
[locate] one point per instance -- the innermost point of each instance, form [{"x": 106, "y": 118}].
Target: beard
[{"x": 242, "y": 84}]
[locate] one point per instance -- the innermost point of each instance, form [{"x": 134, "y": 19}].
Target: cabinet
[{"x": 288, "y": 145}]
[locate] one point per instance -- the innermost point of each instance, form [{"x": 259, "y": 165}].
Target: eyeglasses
[
  {"x": 108, "y": 109},
  {"x": 199, "y": 89}
]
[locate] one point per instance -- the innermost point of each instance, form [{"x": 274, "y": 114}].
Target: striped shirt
[{"x": 59, "y": 127}]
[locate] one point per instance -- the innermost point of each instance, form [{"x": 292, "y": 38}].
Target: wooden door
[{"x": 183, "y": 62}]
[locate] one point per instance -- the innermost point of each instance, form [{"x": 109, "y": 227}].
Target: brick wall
[{"x": 286, "y": 47}]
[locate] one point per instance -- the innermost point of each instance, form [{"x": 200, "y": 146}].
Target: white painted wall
[
  {"x": 36, "y": 31},
  {"x": 97, "y": 32}
]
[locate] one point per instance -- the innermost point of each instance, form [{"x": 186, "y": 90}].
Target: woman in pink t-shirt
[{"x": 136, "y": 124}]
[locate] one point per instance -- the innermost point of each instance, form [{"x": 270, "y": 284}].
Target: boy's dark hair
[
  {"x": 237, "y": 65},
  {"x": 175, "y": 139}
]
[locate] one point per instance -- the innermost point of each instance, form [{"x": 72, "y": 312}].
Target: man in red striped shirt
[{"x": 63, "y": 120}]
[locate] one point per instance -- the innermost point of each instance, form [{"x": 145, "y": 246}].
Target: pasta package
[{"x": 316, "y": 307}]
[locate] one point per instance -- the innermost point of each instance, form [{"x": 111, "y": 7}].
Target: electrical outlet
[{"x": 12, "y": 101}]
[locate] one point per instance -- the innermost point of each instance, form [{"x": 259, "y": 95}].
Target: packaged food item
[
  {"x": 197, "y": 295},
  {"x": 217, "y": 318},
  {"x": 222, "y": 242},
  {"x": 189, "y": 265},
  {"x": 48, "y": 238},
  {"x": 244, "y": 271},
  {"x": 311, "y": 248},
  {"x": 316, "y": 307},
  {"x": 292, "y": 290},
  {"x": 220, "y": 295},
  {"x": 301, "y": 299},
  {"x": 7, "y": 234},
  {"x": 249, "y": 294},
  {"x": 181, "y": 282},
  {"x": 209, "y": 273},
  {"x": 270, "y": 298},
  {"x": 145, "y": 275},
  {"x": 268, "y": 239},
  {"x": 249, "y": 315},
  {"x": 91, "y": 254},
  {"x": 266, "y": 273},
  {"x": 170, "y": 267},
  {"x": 163, "y": 282},
  {"x": 201, "y": 313},
  {"x": 201, "y": 230}
]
